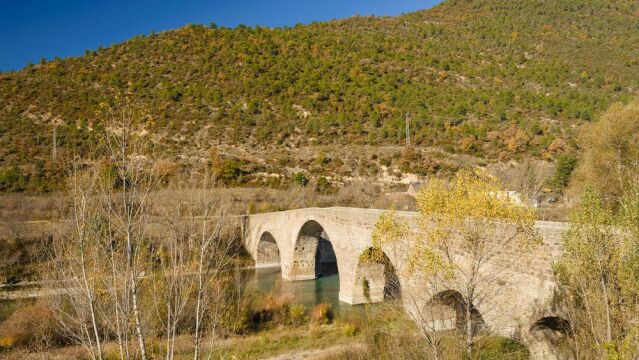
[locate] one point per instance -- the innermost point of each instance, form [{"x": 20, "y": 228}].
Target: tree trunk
[
  {"x": 198, "y": 310},
  {"x": 469, "y": 332},
  {"x": 136, "y": 315},
  {"x": 94, "y": 322},
  {"x": 606, "y": 301}
]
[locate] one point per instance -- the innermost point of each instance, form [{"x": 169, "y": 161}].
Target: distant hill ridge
[{"x": 492, "y": 78}]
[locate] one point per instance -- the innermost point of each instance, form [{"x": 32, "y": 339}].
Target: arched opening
[
  {"x": 376, "y": 278},
  {"x": 313, "y": 256},
  {"x": 268, "y": 254},
  {"x": 549, "y": 336},
  {"x": 448, "y": 310}
]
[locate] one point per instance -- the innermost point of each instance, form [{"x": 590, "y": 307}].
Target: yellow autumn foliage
[{"x": 472, "y": 209}]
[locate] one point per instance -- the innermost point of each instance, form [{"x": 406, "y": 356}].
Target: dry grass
[
  {"x": 32, "y": 326},
  {"x": 265, "y": 344},
  {"x": 322, "y": 314}
]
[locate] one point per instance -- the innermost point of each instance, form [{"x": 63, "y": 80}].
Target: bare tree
[
  {"x": 127, "y": 209},
  {"x": 197, "y": 261},
  {"x": 122, "y": 265},
  {"x": 528, "y": 178},
  {"x": 214, "y": 248},
  {"x": 77, "y": 266},
  {"x": 102, "y": 258},
  {"x": 173, "y": 286}
]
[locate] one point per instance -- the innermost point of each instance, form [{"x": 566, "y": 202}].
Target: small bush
[
  {"x": 242, "y": 322},
  {"x": 501, "y": 348},
  {"x": 300, "y": 179},
  {"x": 228, "y": 172},
  {"x": 297, "y": 314},
  {"x": 12, "y": 180},
  {"x": 351, "y": 329},
  {"x": 274, "y": 308},
  {"x": 30, "y": 326},
  {"x": 325, "y": 187},
  {"x": 322, "y": 314}
]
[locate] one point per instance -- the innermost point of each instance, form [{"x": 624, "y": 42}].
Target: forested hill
[{"x": 488, "y": 77}]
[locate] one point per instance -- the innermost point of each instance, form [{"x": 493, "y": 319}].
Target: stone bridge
[{"x": 308, "y": 243}]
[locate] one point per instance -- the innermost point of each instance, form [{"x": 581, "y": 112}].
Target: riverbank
[
  {"x": 382, "y": 333},
  {"x": 307, "y": 342}
]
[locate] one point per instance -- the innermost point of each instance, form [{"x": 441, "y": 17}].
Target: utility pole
[{"x": 407, "y": 130}]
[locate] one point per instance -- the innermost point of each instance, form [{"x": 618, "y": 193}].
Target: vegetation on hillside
[
  {"x": 485, "y": 77},
  {"x": 610, "y": 153}
]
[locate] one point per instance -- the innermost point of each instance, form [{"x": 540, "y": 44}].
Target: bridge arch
[
  {"x": 548, "y": 339},
  {"x": 268, "y": 252},
  {"x": 447, "y": 310},
  {"x": 313, "y": 254},
  {"x": 376, "y": 279}
]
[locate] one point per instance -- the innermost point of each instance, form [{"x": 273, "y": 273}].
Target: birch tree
[
  {"x": 213, "y": 255},
  {"x": 118, "y": 271},
  {"x": 77, "y": 266},
  {"x": 389, "y": 231},
  {"x": 127, "y": 209},
  {"x": 196, "y": 262},
  {"x": 102, "y": 258},
  {"x": 463, "y": 228},
  {"x": 599, "y": 276}
]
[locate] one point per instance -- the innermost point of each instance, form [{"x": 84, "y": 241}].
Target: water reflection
[{"x": 308, "y": 292}]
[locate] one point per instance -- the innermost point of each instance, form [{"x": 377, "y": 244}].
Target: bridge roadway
[{"x": 303, "y": 242}]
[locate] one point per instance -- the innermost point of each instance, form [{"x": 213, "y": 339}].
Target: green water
[{"x": 308, "y": 292}]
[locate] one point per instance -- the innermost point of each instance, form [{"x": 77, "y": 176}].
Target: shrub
[
  {"x": 325, "y": 187},
  {"x": 243, "y": 321},
  {"x": 274, "y": 308},
  {"x": 229, "y": 172},
  {"x": 31, "y": 326},
  {"x": 300, "y": 178},
  {"x": 12, "y": 180},
  {"x": 297, "y": 314},
  {"x": 351, "y": 329},
  {"x": 322, "y": 314},
  {"x": 237, "y": 317}
]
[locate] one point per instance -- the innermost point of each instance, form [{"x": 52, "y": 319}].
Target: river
[{"x": 308, "y": 293}]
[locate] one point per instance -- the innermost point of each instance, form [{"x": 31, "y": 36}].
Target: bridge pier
[
  {"x": 303, "y": 265},
  {"x": 369, "y": 284}
]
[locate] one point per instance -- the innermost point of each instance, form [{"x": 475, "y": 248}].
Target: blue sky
[{"x": 34, "y": 29}]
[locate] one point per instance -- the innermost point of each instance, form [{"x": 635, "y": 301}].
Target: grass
[
  {"x": 382, "y": 336},
  {"x": 265, "y": 344},
  {"x": 280, "y": 341}
]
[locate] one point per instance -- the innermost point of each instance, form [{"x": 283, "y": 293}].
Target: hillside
[{"x": 492, "y": 79}]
